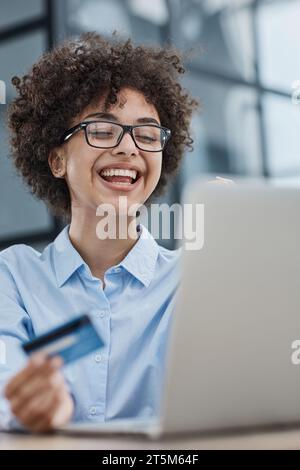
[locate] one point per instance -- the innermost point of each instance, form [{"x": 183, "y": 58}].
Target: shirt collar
[
  {"x": 66, "y": 258},
  {"x": 139, "y": 262},
  {"x": 141, "y": 259}
]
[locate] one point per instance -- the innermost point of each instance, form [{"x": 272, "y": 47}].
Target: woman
[{"x": 74, "y": 144}]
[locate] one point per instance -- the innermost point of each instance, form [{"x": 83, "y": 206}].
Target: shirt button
[
  {"x": 117, "y": 270},
  {"x": 98, "y": 357},
  {"x": 92, "y": 410},
  {"x": 101, "y": 314}
]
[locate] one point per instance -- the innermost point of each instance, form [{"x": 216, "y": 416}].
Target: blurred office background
[{"x": 246, "y": 59}]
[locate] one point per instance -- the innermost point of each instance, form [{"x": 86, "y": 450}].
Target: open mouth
[{"x": 120, "y": 177}]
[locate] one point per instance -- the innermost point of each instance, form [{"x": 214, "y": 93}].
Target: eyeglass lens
[{"x": 107, "y": 134}]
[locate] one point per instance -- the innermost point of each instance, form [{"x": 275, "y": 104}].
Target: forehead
[{"x": 130, "y": 103}]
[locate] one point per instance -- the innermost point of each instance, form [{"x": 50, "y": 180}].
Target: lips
[{"x": 127, "y": 178}]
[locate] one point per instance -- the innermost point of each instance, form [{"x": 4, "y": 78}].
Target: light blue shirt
[{"x": 132, "y": 314}]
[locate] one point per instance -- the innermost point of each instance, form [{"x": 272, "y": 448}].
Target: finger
[
  {"x": 46, "y": 423},
  {"x": 42, "y": 386},
  {"x": 61, "y": 412},
  {"x": 46, "y": 378},
  {"x": 36, "y": 361},
  {"x": 39, "y": 411},
  {"x": 37, "y": 365},
  {"x": 36, "y": 368}
]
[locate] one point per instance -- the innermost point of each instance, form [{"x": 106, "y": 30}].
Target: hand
[{"x": 38, "y": 395}]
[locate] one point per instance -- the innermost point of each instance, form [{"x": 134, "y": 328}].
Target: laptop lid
[{"x": 238, "y": 313}]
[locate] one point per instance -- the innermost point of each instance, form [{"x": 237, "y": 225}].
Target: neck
[{"x": 99, "y": 254}]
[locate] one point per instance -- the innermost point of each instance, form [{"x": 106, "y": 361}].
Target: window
[
  {"x": 25, "y": 33},
  {"x": 14, "y": 12}
]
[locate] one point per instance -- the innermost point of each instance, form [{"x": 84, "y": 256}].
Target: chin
[{"x": 120, "y": 202}]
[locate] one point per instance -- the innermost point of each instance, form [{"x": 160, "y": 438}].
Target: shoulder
[
  {"x": 18, "y": 258},
  {"x": 25, "y": 267},
  {"x": 18, "y": 253}
]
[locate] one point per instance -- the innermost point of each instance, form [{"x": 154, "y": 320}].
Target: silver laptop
[{"x": 238, "y": 315}]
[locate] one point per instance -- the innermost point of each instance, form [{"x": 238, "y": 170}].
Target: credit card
[{"x": 70, "y": 341}]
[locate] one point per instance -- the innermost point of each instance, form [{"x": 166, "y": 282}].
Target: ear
[{"x": 57, "y": 163}]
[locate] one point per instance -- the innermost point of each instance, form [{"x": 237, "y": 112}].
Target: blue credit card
[{"x": 70, "y": 341}]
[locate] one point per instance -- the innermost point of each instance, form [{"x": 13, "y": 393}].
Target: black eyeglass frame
[{"x": 125, "y": 129}]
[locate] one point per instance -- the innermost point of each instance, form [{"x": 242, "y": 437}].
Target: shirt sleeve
[{"x": 15, "y": 328}]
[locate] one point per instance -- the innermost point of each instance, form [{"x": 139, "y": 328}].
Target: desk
[{"x": 288, "y": 439}]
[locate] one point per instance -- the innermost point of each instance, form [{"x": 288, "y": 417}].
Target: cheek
[
  {"x": 80, "y": 166},
  {"x": 154, "y": 168},
  {"x": 153, "y": 172},
  {"x": 77, "y": 176}
]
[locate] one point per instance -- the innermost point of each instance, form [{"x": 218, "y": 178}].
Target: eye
[
  {"x": 146, "y": 134},
  {"x": 100, "y": 134},
  {"x": 146, "y": 138}
]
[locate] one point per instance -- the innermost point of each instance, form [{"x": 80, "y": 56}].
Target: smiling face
[{"x": 92, "y": 173}]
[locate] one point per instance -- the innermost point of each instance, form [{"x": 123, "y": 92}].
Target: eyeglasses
[{"x": 107, "y": 134}]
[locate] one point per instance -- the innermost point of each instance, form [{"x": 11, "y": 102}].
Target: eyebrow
[{"x": 112, "y": 117}]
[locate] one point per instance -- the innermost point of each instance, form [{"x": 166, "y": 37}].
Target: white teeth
[{"x": 119, "y": 172}]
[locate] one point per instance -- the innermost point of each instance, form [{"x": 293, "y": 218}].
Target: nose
[{"x": 126, "y": 146}]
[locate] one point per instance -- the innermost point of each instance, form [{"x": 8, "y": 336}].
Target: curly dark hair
[{"x": 74, "y": 75}]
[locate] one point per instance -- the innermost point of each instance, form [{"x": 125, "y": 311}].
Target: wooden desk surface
[{"x": 288, "y": 439}]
